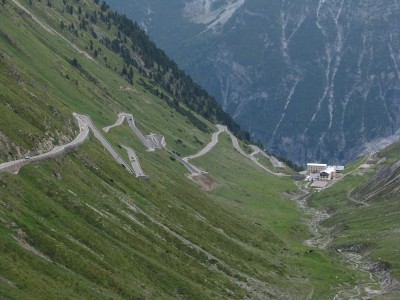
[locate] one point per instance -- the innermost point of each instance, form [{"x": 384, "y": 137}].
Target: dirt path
[
  {"x": 350, "y": 198},
  {"x": 53, "y": 31}
]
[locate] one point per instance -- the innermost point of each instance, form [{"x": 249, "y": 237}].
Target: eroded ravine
[{"x": 378, "y": 280}]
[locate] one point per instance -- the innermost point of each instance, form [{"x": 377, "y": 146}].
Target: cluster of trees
[
  {"x": 138, "y": 52},
  {"x": 289, "y": 163},
  {"x": 131, "y": 39}
]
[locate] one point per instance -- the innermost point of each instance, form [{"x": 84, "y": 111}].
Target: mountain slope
[
  {"x": 313, "y": 80},
  {"x": 363, "y": 219},
  {"x": 82, "y": 226}
]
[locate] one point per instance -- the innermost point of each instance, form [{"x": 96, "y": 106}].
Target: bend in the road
[
  {"x": 235, "y": 143},
  {"x": 151, "y": 141},
  {"x": 105, "y": 142},
  {"x": 119, "y": 122},
  {"x": 15, "y": 165},
  {"x": 206, "y": 149}
]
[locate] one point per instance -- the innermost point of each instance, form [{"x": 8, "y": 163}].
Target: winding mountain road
[
  {"x": 235, "y": 143},
  {"x": 120, "y": 120},
  {"x": 151, "y": 141},
  {"x": 132, "y": 125},
  {"x": 156, "y": 141},
  {"x": 135, "y": 162},
  {"x": 214, "y": 141},
  {"x": 251, "y": 156},
  {"x": 274, "y": 161},
  {"x": 15, "y": 165},
  {"x": 194, "y": 171},
  {"x": 104, "y": 142}
]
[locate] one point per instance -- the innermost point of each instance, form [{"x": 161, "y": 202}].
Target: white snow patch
[{"x": 204, "y": 12}]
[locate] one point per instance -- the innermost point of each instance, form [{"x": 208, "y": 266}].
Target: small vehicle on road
[{"x": 27, "y": 157}]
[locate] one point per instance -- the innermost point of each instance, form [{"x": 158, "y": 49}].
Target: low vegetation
[
  {"x": 80, "y": 226},
  {"x": 365, "y": 209}
]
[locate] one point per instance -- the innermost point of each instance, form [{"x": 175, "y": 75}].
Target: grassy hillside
[
  {"x": 365, "y": 208},
  {"x": 80, "y": 226}
]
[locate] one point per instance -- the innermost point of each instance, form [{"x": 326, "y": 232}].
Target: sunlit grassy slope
[{"x": 82, "y": 227}]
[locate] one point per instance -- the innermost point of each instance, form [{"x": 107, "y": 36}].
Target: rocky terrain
[{"x": 313, "y": 80}]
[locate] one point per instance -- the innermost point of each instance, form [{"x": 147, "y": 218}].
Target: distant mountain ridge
[
  {"x": 313, "y": 80},
  {"x": 83, "y": 224}
]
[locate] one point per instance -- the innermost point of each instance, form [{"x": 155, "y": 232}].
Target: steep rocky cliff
[{"x": 313, "y": 80}]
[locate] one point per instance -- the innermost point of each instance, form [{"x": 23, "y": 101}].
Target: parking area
[{"x": 319, "y": 184}]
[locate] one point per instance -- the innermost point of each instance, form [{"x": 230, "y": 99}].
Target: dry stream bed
[{"x": 378, "y": 280}]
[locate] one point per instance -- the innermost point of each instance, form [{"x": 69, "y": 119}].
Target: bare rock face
[{"x": 313, "y": 80}]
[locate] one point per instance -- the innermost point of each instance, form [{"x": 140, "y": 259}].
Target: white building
[
  {"x": 339, "y": 169},
  {"x": 315, "y": 168},
  {"x": 328, "y": 174}
]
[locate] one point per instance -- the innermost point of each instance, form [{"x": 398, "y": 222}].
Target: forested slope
[{"x": 81, "y": 226}]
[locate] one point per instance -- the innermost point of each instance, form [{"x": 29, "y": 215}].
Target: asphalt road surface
[
  {"x": 104, "y": 142},
  {"x": 152, "y": 142},
  {"x": 132, "y": 125},
  {"x": 214, "y": 141},
  {"x": 235, "y": 143},
  {"x": 192, "y": 169},
  {"x": 83, "y": 134},
  {"x": 135, "y": 162}
]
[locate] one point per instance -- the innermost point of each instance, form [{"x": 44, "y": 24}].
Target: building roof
[
  {"x": 339, "y": 168},
  {"x": 316, "y": 165},
  {"x": 329, "y": 170}
]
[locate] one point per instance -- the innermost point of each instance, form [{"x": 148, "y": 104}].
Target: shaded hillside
[{"x": 313, "y": 80}]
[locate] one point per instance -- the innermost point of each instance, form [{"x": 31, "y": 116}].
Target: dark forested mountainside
[
  {"x": 134, "y": 46},
  {"x": 313, "y": 80}
]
